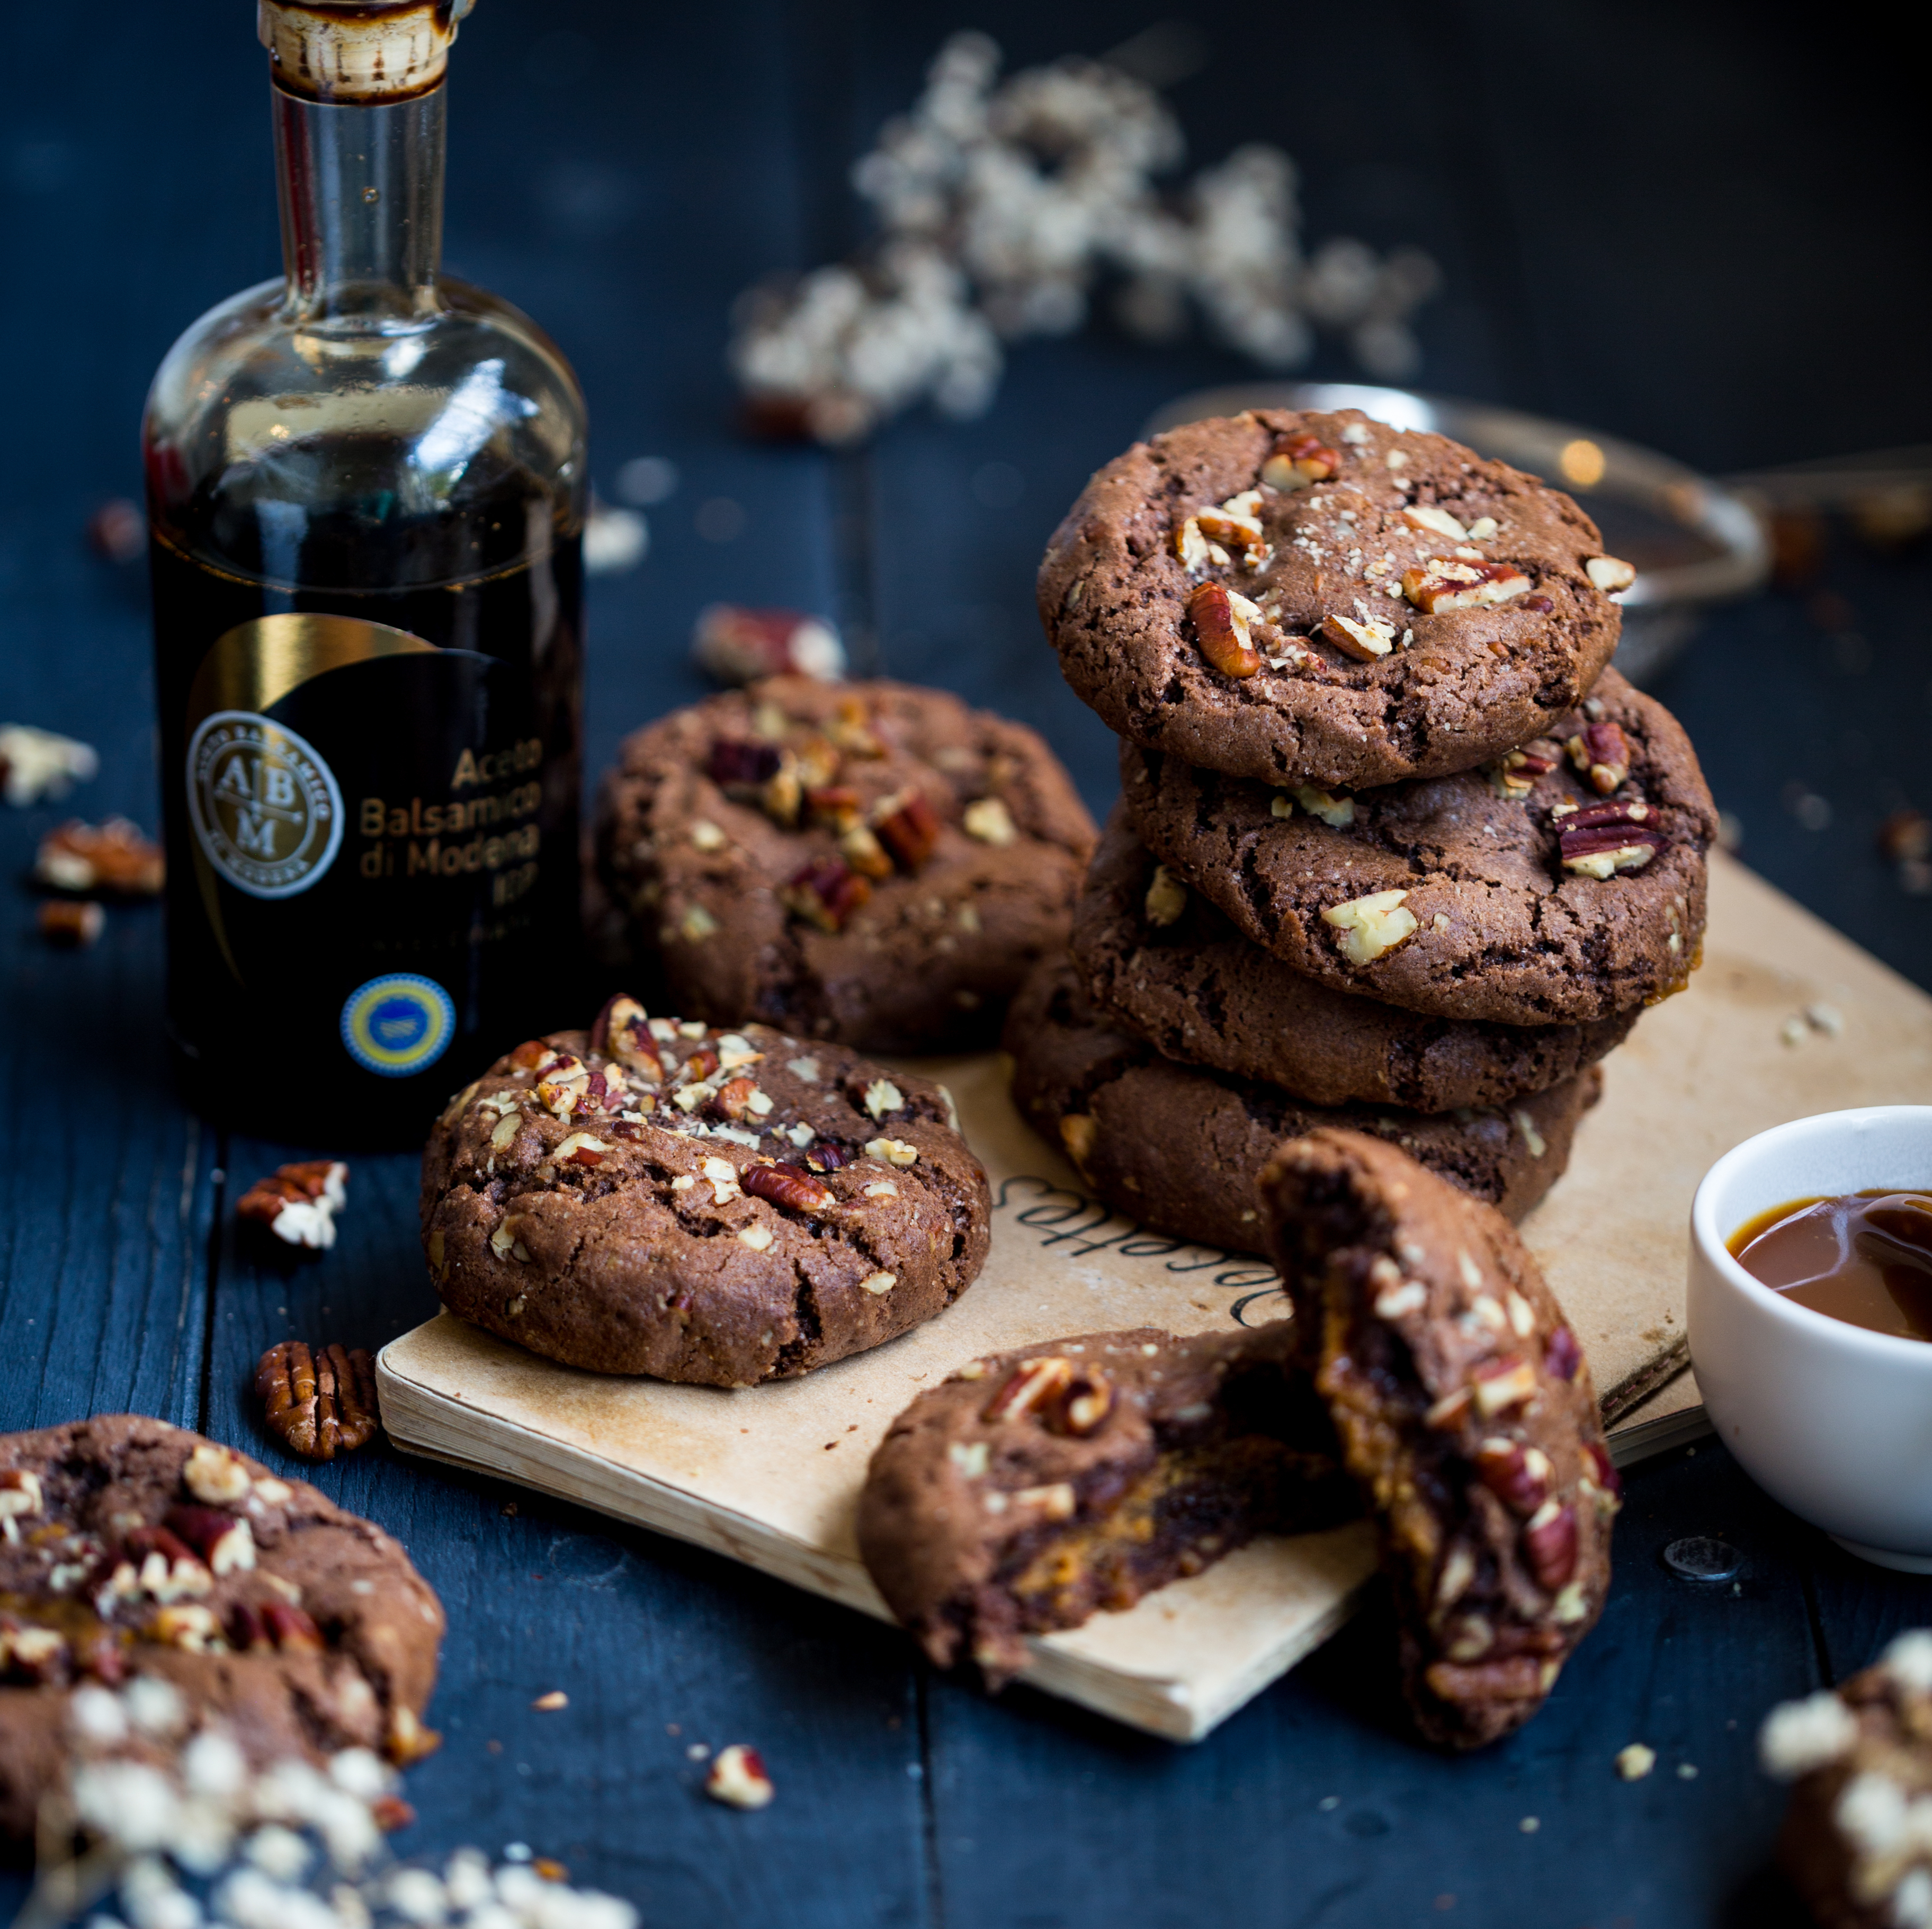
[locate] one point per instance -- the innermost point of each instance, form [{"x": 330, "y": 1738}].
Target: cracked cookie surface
[
  {"x": 1466, "y": 1412},
  {"x": 131, "y": 1549},
  {"x": 665, "y": 1198},
  {"x": 1488, "y": 925},
  {"x": 1033, "y": 1489},
  {"x": 1160, "y": 961},
  {"x": 870, "y": 862},
  {"x": 1181, "y": 1149},
  {"x": 1311, "y": 702}
]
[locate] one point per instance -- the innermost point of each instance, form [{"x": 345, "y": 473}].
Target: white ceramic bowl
[{"x": 1834, "y": 1421}]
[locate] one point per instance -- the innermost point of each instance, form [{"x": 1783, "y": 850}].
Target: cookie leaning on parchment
[
  {"x": 723, "y": 1207},
  {"x": 1466, "y": 1412},
  {"x": 133, "y": 1550}
]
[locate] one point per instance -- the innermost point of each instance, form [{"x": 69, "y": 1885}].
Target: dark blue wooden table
[{"x": 1698, "y": 226}]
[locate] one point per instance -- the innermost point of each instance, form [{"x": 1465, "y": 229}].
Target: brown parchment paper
[{"x": 770, "y": 1474}]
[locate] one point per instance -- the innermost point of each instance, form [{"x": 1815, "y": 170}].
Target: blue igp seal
[{"x": 397, "y": 1025}]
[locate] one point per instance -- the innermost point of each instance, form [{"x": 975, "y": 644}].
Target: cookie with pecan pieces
[
  {"x": 1180, "y": 1148},
  {"x": 1322, "y": 599},
  {"x": 1033, "y": 1490},
  {"x": 870, "y": 862},
  {"x": 665, "y": 1198},
  {"x": 1466, "y": 1412},
  {"x": 1857, "y": 1838},
  {"x": 1160, "y": 962},
  {"x": 1562, "y": 885},
  {"x": 196, "y": 1586}
]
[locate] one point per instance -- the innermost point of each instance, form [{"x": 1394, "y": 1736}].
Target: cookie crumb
[{"x": 1636, "y": 1762}]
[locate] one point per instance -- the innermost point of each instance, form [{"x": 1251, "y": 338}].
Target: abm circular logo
[
  {"x": 265, "y": 806},
  {"x": 397, "y": 1025}
]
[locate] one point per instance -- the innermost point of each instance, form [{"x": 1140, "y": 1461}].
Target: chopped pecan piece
[
  {"x": 1032, "y": 1385},
  {"x": 224, "y": 1541},
  {"x": 169, "y": 1568},
  {"x": 788, "y": 1186},
  {"x": 1610, "y": 573},
  {"x": 1366, "y": 642},
  {"x": 908, "y": 826},
  {"x": 20, "y": 1493},
  {"x": 1297, "y": 461},
  {"x": 1515, "y": 772},
  {"x": 1549, "y": 1545},
  {"x": 1236, "y": 525},
  {"x": 826, "y": 892},
  {"x": 298, "y": 1203},
  {"x": 113, "y": 857},
  {"x": 860, "y": 848},
  {"x": 1372, "y": 926},
  {"x": 1222, "y": 631},
  {"x": 1500, "y": 1384},
  {"x": 290, "y": 1629},
  {"x": 1518, "y": 1476},
  {"x": 320, "y": 1406},
  {"x": 70, "y": 925},
  {"x": 563, "y": 1085},
  {"x": 1084, "y": 1407},
  {"x": 738, "y": 1778},
  {"x": 1166, "y": 897},
  {"x": 34, "y": 1656},
  {"x": 989, "y": 821},
  {"x": 735, "y": 1096},
  {"x": 835, "y": 806},
  {"x": 1437, "y": 522},
  {"x": 622, "y": 1031},
  {"x": 1194, "y": 549},
  {"x": 1444, "y": 583},
  {"x": 1603, "y": 753}
]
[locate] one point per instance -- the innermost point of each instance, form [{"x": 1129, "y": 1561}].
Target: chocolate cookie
[
  {"x": 132, "y": 1550},
  {"x": 722, "y": 1207},
  {"x": 1465, "y": 1409},
  {"x": 1181, "y": 1149},
  {"x": 1537, "y": 892},
  {"x": 1160, "y": 961},
  {"x": 869, "y": 862},
  {"x": 1322, "y": 599},
  {"x": 1855, "y": 1841},
  {"x": 1034, "y": 1488}
]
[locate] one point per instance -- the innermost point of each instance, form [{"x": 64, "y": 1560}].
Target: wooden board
[{"x": 769, "y": 1474}]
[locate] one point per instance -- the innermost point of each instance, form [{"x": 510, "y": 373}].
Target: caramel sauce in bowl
[
  {"x": 1810, "y": 1307},
  {"x": 1865, "y": 1258}
]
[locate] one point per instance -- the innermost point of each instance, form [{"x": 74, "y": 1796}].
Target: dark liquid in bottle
[
  {"x": 1865, "y": 1258},
  {"x": 370, "y": 764}
]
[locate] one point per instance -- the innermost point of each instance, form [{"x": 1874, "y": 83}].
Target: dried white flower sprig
[
  {"x": 1002, "y": 205},
  {"x": 177, "y": 1829}
]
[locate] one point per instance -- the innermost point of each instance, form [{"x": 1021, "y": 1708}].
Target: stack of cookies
[{"x": 1397, "y": 850}]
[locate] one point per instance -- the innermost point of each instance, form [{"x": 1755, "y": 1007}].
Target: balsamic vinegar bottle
[{"x": 365, "y": 492}]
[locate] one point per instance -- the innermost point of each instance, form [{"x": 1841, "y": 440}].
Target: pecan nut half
[
  {"x": 1298, "y": 460},
  {"x": 1222, "y": 631},
  {"x": 789, "y": 1187},
  {"x": 321, "y": 1405}
]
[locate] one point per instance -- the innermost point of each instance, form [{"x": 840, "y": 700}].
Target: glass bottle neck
[{"x": 361, "y": 200}]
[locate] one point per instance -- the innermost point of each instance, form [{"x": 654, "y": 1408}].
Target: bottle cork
[{"x": 363, "y": 52}]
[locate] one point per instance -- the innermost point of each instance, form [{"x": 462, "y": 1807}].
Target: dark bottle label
[
  {"x": 375, "y": 876},
  {"x": 351, "y": 807}
]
